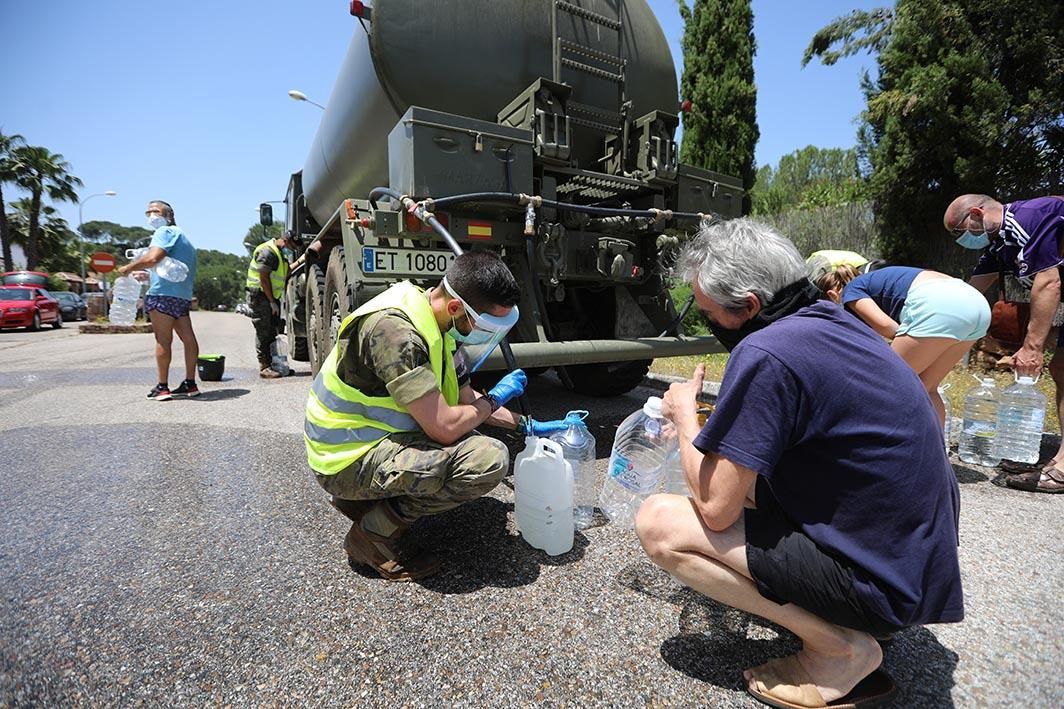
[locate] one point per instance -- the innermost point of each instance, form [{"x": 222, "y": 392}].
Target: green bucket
[{"x": 211, "y": 367}]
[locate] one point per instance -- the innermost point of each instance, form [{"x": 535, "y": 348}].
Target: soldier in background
[{"x": 267, "y": 273}]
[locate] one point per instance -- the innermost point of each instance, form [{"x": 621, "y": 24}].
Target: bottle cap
[
  {"x": 988, "y": 382},
  {"x": 653, "y": 407},
  {"x": 1025, "y": 380}
]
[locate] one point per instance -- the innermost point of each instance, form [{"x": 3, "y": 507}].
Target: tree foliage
[
  {"x": 720, "y": 131},
  {"x": 8, "y": 175},
  {"x": 220, "y": 278},
  {"x": 56, "y": 241},
  {"x": 41, "y": 172},
  {"x": 257, "y": 234},
  {"x": 969, "y": 98},
  {"x": 807, "y": 178}
]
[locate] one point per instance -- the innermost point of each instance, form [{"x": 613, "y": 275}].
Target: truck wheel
[
  {"x": 608, "y": 378},
  {"x": 299, "y": 342},
  {"x": 314, "y": 304},
  {"x": 338, "y": 300}
]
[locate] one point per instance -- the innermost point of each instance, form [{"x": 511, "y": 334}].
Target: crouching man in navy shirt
[{"x": 819, "y": 498}]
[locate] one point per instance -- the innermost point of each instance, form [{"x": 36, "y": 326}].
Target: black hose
[
  {"x": 672, "y": 328},
  {"x": 537, "y": 293}
]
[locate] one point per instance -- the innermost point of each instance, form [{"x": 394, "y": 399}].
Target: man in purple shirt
[
  {"x": 1024, "y": 238},
  {"x": 801, "y": 507}
]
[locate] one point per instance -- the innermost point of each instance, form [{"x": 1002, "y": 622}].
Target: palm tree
[
  {"x": 57, "y": 242},
  {"x": 39, "y": 170},
  {"x": 8, "y": 144}
]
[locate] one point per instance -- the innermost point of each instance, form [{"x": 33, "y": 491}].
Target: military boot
[{"x": 374, "y": 540}]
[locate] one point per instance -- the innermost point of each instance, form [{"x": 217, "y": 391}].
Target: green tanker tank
[{"x": 543, "y": 130}]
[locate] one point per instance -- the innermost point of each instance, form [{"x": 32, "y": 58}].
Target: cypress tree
[{"x": 720, "y": 131}]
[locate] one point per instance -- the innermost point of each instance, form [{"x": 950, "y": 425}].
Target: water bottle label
[{"x": 626, "y": 475}]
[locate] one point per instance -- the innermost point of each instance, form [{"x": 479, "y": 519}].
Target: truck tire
[
  {"x": 608, "y": 378},
  {"x": 339, "y": 301},
  {"x": 299, "y": 342},
  {"x": 314, "y": 304}
]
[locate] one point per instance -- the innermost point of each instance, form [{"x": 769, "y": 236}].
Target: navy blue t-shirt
[
  {"x": 888, "y": 287},
  {"x": 846, "y": 438}
]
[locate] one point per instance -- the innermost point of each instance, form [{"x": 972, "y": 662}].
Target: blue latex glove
[
  {"x": 510, "y": 386},
  {"x": 531, "y": 427}
]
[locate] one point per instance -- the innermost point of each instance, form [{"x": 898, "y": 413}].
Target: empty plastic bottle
[
  {"x": 578, "y": 447},
  {"x": 279, "y": 356},
  {"x": 979, "y": 426},
  {"x": 126, "y": 291},
  {"x": 1021, "y": 415},
  {"x": 543, "y": 496},
  {"x": 169, "y": 268},
  {"x": 642, "y": 449},
  {"x": 948, "y": 425},
  {"x": 673, "y": 479}
]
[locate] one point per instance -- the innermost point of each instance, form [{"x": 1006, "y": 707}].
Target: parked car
[
  {"x": 71, "y": 306},
  {"x": 23, "y": 306},
  {"x": 24, "y": 278}
]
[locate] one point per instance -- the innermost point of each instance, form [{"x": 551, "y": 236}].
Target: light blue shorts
[{"x": 945, "y": 307}]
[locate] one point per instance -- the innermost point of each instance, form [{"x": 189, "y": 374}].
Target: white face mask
[{"x": 156, "y": 221}]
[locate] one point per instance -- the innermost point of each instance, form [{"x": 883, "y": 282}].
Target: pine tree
[
  {"x": 969, "y": 98},
  {"x": 720, "y": 130}
]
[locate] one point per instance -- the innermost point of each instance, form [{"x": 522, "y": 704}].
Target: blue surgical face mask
[
  {"x": 475, "y": 337},
  {"x": 973, "y": 241},
  {"x": 157, "y": 222}
]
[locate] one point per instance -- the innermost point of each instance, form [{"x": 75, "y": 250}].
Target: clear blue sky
[{"x": 187, "y": 101}]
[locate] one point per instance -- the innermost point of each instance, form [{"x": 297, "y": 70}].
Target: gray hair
[{"x": 732, "y": 259}]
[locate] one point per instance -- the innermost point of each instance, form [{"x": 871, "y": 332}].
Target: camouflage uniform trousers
[
  {"x": 265, "y": 326},
  {"x": 421, "y": 477}
]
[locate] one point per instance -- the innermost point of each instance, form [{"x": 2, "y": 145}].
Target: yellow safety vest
[
  {"x": 277, "y": 277},
  {"x": 343, "y": 424}
]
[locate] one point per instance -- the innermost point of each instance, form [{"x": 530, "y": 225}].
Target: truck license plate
[{"x": 404, "y": 262}]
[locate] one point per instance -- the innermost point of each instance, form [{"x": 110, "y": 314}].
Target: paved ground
[{"x": 180, "y": 554}]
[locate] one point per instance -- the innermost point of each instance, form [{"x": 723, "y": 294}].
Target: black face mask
[{"x": 786, "y": 301}]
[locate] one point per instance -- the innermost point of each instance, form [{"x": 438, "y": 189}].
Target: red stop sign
[{"x": 102, "y": 262}]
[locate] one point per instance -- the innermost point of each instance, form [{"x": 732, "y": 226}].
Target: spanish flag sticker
[{"x": 479, "y": 230}]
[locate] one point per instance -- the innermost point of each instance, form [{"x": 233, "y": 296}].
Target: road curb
[{"x": 108, "y": 329}]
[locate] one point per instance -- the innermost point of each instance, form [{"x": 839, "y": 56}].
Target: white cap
[
  {"x": 653, "y": 407},
  {"x": 988, "y": 382}
]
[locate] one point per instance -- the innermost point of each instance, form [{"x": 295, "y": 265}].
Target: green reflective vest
[
  {"x": 277, "y": 277},
  {"x": 343, "y": 424}
]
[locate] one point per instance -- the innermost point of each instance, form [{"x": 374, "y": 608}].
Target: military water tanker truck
[{"x": 543, "y": 130}]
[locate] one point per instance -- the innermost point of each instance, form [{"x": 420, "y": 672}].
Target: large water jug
[
  {"x": 543, "y": 496},
  {"x": 126, "y": 291},
  {"x": 578, "y": 447},
  {"x": 169, "y": 268},
  {"x": 979, "y": 425},
  {"x": 673, "y": 478},
  {"x": 947, "y": 426},
  {"x": 279, "y": 356},
  {"x": 1021, "y": 415},
  {"x": 642, "y": 449}
]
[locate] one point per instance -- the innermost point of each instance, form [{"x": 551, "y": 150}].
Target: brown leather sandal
[
  {"x": 383, "y": 555},
  {"x": 1050, "y": 480}
]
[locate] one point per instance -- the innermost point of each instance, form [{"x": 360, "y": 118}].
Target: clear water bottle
[
  {"x": 279, "y": 356},
  {"x": 673, "y": 479},
  {"x": 126, "y": 291},
  {"x": 1020, "y": 419},
  {"x": 642, "y": 449},
  {"x": 578, "y": 447},
  {"x": 948, "y": 424},
  {"x": 169, "y": 268},
  {"x": 979, "y": 426}
]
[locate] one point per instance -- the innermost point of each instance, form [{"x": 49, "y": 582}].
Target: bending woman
[{"x": 933, "y": 319}]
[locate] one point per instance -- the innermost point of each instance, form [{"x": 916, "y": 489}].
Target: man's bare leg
[
  {"x": 163, "y": 327},
  {"x": 714, "y": 564}
]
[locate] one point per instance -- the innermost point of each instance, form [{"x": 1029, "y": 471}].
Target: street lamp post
[
  {"x": 81, "y": 231},
  {"x": 297, "y": 95}
]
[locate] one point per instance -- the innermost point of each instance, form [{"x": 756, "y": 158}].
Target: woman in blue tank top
[{"x": 932, "y": 319}]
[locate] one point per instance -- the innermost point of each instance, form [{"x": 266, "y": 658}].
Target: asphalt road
[{"x": 180, "y": 553}]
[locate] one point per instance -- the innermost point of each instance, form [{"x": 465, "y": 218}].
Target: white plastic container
[
  {"x": 126, "y": 291},
  {"x": 948, "y": 424},
  {"x": 1020, "y": 420},
  {"x": 979, "y": 426},
  {"x": 642, "y": 449},
  {"x": 279, "y": 356},
  {"x": 543, "y": 496},
  {"x": 578, "y": 447},
  {"x": 673, "y": 479}
]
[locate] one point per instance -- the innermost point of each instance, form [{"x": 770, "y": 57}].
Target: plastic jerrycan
[{"x": 543, "y": 492}]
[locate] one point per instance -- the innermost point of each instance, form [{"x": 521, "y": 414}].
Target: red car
[{"x": 29, "y": 307}]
